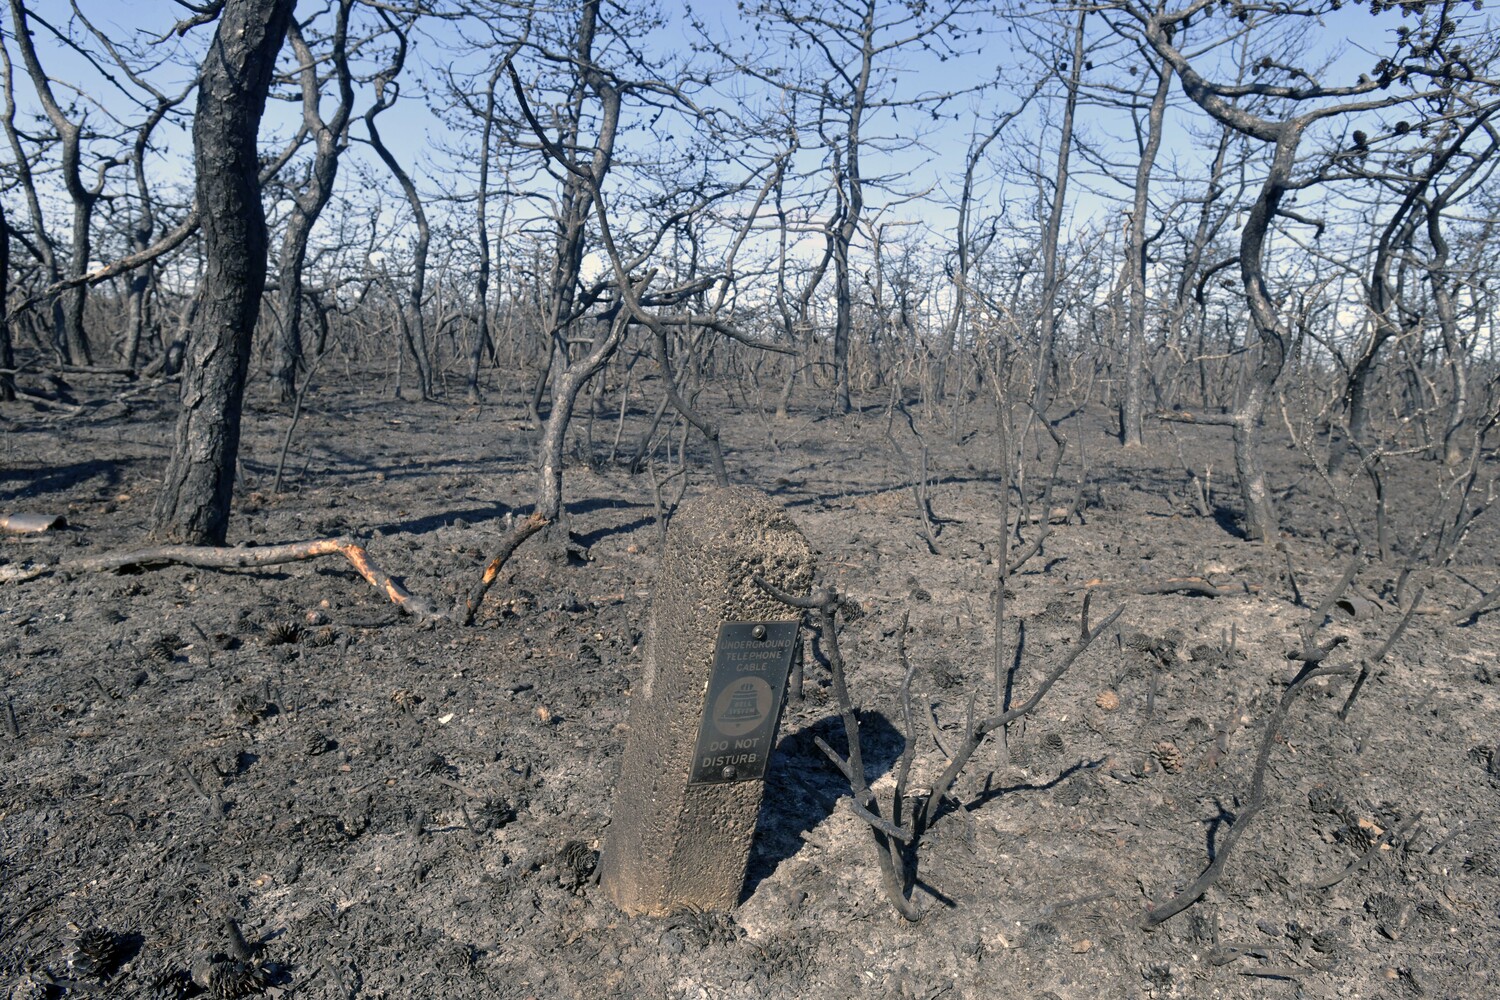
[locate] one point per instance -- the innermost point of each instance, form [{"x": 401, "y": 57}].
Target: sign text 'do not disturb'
[{"x": 742, "y": 706}]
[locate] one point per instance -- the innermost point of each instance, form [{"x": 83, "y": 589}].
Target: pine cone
[
  {"x": 249, "y": 708},
  {"x": 1169, "y": 756},
  {"x": 576, "y": 863},
  {"x": 1391, "y": 914},
  {"x": 322, "y": 637},
  {"x": 283, "y": 633},
  {"x": 95, "y": 953},
  {"x": 1322, "y": 799},
  {"x": 230, "y": 978}
]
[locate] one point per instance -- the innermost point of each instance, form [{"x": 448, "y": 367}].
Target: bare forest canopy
[{"x": 1205, "y": 212}]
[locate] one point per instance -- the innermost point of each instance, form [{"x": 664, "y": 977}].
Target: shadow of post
[{"x": 803, "y": 787}]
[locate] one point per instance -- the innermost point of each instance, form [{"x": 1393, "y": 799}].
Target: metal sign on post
[{"x": 742, "y": 703}]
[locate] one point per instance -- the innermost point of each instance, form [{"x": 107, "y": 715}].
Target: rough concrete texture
[{"x": 672, "y": 845}]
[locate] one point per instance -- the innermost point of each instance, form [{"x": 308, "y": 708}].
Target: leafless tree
[
  {"x": 84, "y": 196},
  {"x": 1426, "y": 183},
  {"x": 330, "y": 139},
  {"x": 1148, "y": 134},
  {"x": 413, "y": 329},
  {"x": 194, "y": 502},
  {"x": 848, "y": 78},
  {"x": 1423, "y": 71},
  {"x": 159, "y": 106}
]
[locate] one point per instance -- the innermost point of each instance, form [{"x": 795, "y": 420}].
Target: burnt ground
[{"x": 392, "y": 808}]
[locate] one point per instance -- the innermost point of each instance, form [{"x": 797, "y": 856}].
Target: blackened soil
[{"x": 382, "y": 807}]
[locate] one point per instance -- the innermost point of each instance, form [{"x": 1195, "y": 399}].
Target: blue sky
[{"x": 415, "y": 133}]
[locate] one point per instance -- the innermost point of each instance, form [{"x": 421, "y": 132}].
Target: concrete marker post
[{"x": 704, "y": 715}]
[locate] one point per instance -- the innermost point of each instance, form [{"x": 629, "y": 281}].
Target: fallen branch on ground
[
  {"x": 1312, "y": 655},
  {"x": 1254, "y": 803},
  {"x": 1195, "y": 585},
  {"x": 31, "y": 524},
  {"x": 1475, "y": 608},
  {"x": 508, "y": 546},
  {"x": 211, "y": 557},
  {"x": 1188, "y": 417}
]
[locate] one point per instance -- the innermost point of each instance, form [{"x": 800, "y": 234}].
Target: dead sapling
[
  {"x": 897, "y": 826},
  {"x": 1048, "y": 515},
  {"x": 1201, "y": 486},
  {"x": 918, "y": 477},
  {"x": 291, "y": 427}
]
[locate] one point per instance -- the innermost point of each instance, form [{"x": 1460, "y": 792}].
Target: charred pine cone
[
  {"x": 232, "y": 978},
  {"x": 94, "y": 954}
]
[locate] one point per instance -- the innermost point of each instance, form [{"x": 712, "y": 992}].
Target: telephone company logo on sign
[{"x": 742, "y": 706}]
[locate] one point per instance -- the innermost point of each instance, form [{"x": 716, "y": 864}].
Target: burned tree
[
  {"x": 1424, "y": 72},
  {"x": 75, "y": 343},
  {"x": 1149, "y": 137},
  {"x": 849, "y": 79},
  {"x": 330, "y": 138},
  {"x": 193, "y": 506},
  {"x": 1428, "y": 183}
]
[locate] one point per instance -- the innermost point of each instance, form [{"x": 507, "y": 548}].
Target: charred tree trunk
[
  {"x": 1131, "y": 401},
  {"x": 1260, "y": 516},
  {"x": 1450, "y": 450},
  {"x": 843, "y": 323},
  {"x": 330, "y": 139},
  {"x": 413, "y": 324},
  {"x": 75, "y": 343},
  {"x": 482, "y": 223},
  {"x": 849, "y": 184},
  {"x": 193, "y": 506},
  {"x": 7, "y": 353},
  {"x": 1051, "y": 280}
]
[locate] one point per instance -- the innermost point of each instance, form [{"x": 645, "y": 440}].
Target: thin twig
[
  {"x": 934, "y": 731},
  {"x": 291, "y": 428},
  {"x": 215, "y": 801},
  {"x": 1380, "y": 655},
  {"x": 1476, "y": 608}
]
